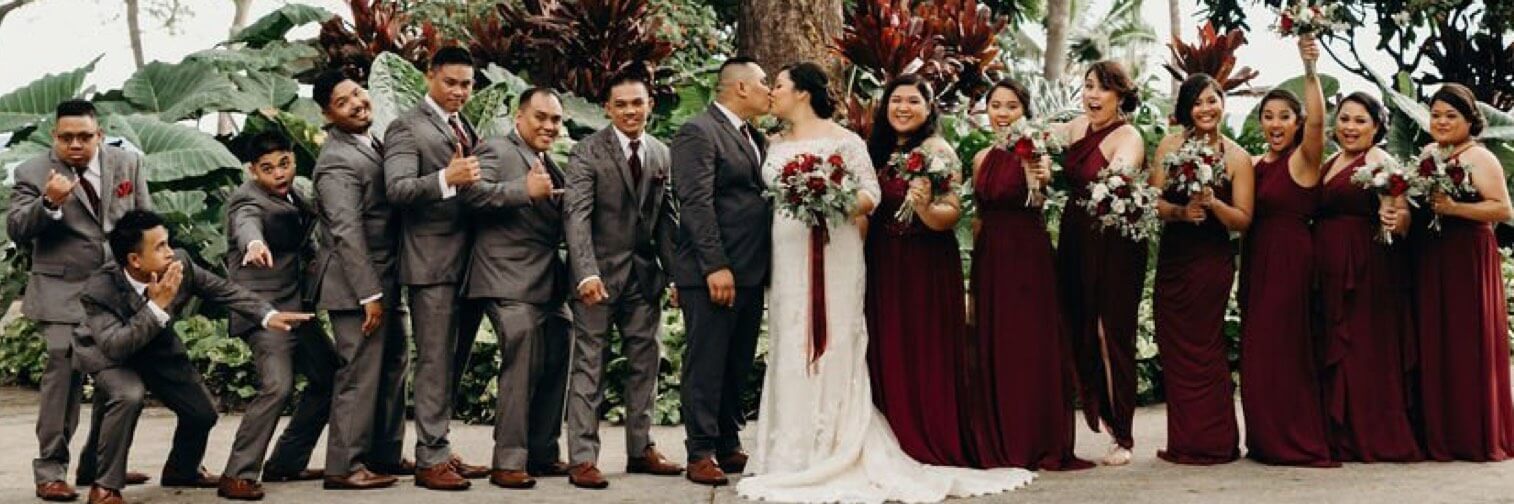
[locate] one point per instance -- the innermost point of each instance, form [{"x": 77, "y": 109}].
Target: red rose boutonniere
[{"x": 124, "y": 189}]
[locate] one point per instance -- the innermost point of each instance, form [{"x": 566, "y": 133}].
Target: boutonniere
[
  {"x": 660, "y": 176},
  {"x": 124, "y": 189}
]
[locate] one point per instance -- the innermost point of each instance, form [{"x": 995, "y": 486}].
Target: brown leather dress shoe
[
  {"x": 440, "y": 477},
  {"x": 303, "y": 475},
  {"x": 585, "y": 475},
  {"x": 467, "y": 470},
  {"x": 56, "y": 491},
  {"x": 239, "y": 489},
  {"x": 734, "y": 462},
  {"x": 517, "y": 480},
  {"x": 652, "y": 462},
  {"x": 137, "y": 478},
  {"x": 558, "y": 468},
  {"x": 202, "y": 480},
  {"x": 361, "y": 479},
  {"x": 102, "y": 495},
  {"x": 706, "y": 472},
  {"x": 406, "y": 467}
]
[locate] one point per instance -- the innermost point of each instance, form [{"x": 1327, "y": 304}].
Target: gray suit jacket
[
  {"x": 357, "y": 253},
  {"x": 724, "y": 219},
  {"x": 434, "y": 232},
  {"x": 616, "y": 229},
  {"x": 65, "y": 251},
  {"x": 119, "y": 329},
  {"x": 516, "y": 241},
  {"x": 285, "y": 226}
]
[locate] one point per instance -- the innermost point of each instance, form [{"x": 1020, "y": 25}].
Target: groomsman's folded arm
[
  {"x": 578, "y": 204},
  {"x": 490, "y": 193},
  {"x": 340, "y": 207},
  {"x": 403, "y": 183},
  {"x": 118, "y": 340},
  {"x": 694, "y": 184}
]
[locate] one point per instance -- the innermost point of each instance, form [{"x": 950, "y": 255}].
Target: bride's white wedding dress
[{"x": 819, "y": 438}]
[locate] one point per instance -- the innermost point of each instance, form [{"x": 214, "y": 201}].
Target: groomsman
[
  {"x": 517, "y": 270},
  {"x": 128, "y": 344},
  {"x": 268, "y": 230},
  {"x": 428, "y": 158},
  {"x": 724, "y": 249},
  {"x": 62, "y": 206},
  {"x": 356, "y": 285},
  {"x": 620, "y": 225}
]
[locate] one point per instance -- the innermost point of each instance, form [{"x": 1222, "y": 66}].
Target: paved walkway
[{"x": 1145, "y": 480}]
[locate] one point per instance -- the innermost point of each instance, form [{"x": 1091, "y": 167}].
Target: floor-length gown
[
  {"x": 1463, "y": 342},
  {"x": 1195, "y": 272},
  {"x": 819, "y": 438},
  {"x": 1366, "y": 326},
  {"x": 1280, "y": 373},
  {"x": 1022, "y": 406},
  {"x": 917, "y": 329},
  {"x": 1100, "y": 274}
]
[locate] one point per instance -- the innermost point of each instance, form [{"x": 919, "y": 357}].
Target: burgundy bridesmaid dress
[
  {"x": 917, "y": 330},
  {"x": 1195, "y": 272},
  {"x": 1023, "y": 394},
  {"x": 1101, "y": 275},
  {"x": 1366, "y": 327},
  {"x": 1463, "y": 343},
  {"x": 1280, "y": 372}
]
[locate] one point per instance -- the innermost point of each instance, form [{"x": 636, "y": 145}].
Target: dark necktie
[
  {"x": 635, "y": 162},
  {"x": 377, "y": 145},
  {"x": 546, "y": 164},
  {"x": 89, "y": 190},
  {"x": 462, "y": 136},
  {"x": 746, "y": 129}
]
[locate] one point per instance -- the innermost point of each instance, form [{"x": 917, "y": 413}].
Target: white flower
[
  {"x": 1098, "y": 192},
  {"x": 1117, "y": 206}
]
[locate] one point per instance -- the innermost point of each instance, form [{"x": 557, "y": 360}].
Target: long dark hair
[
  {"x": 1291, "y": 100},
  {"x": 810, "y": 78},
  {"x": 883, "y": 141}
]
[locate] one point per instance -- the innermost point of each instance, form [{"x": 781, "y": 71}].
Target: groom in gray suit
[
  {"x": 56, "y": 210},
  {"x": 724, "y": 243},
  {"x": 517, "y": 271},
  {"x": 428, "y": 159},
  {"x": 620, "y": 230}
]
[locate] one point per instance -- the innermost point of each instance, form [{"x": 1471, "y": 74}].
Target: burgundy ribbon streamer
[{"x": 819, "y": 236}]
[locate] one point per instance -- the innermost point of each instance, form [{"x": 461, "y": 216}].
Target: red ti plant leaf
[{"x": 1214, "y": 55}]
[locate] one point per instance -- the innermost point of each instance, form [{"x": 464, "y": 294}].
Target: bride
[{"x": 819, "y": 438}]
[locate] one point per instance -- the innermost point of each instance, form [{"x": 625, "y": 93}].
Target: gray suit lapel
[
  {"x": 78, "y": 191},
  {"x": 735, "y": 134},
  {"x": 617, "y": 155},
  {"x": 439, "y": 122},
  {"x": 110, "y": 168},
  {"x": 357, "y": 144},
  {"x": 655, "y": 167}
]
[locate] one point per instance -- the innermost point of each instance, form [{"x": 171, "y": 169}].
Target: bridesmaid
[
  {"x": 1280, "y": 385},
  {"x": 1195, "y": 272},
  {"x": 916, "y": 311},
  {"x": 1363, "y": 295},
  {"x": 1463, "y": 329},
  {"x": 1100, "y": 275},
  {"x": 1026, "y": 384}
]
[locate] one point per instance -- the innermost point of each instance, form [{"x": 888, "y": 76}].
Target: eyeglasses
[{"x": 70, "y": 138}]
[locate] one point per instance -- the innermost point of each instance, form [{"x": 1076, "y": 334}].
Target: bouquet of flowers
[
  {"x": 1194, "y": 167},
  {"x": 815, "y": 190},
  {"x": 1389, "y": 180},
  {"x": 919, "y": 163},
  {"x": 1446, "y": 175},
  {"x": 1305, "y": 17},
  {"x": 1120, "y": 199},
  {"x": 1029, "y": 140}
]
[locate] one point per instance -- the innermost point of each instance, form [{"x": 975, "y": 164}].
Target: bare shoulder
[{"x": 1236, "y": 155}]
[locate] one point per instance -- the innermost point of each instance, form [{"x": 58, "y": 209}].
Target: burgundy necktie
[
  {"x": 89, "y": 190},
  {"x": 635, "y": 162},
  {"x": 462, "y": 136}
]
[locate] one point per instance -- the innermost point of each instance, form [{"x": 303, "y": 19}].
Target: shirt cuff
[
  {"x": 586, "y": 280},
  {"x": 447, "y": 190},
  {"x": 266, "y": 317},
  {"x": 54, "y": 213},
  {"x": 158, "y": 313},
  {"x": 371, "y": 299}
]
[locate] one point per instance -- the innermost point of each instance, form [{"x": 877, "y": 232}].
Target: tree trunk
[
  {"x": 1057, "y": 17},
  {"x": 7, "y": 7},
  {"x": 777, "y": 33},
  {"x": 239, "y": 20},
  {"x": 134, "y": 31}
]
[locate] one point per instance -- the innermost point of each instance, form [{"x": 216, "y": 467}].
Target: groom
[{"x": 723, "y": 248}]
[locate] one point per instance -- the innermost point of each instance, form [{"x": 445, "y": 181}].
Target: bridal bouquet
[
  {"x": 815, "y": 190},
  {"x": 935, "y": 168},
  {"x": 1389, "y": 180},
  {"x": 1030, "y": 140},
  {"x": 1120, "y": 199},
  {"x": 1194, "y": 167},
  {"x": 1446, "y": 175},
  {"x": 1304, "y": 17}
]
